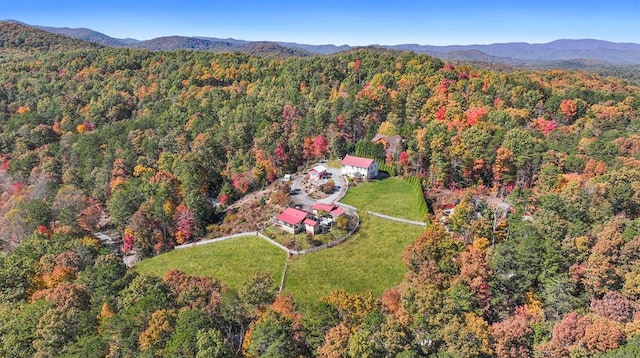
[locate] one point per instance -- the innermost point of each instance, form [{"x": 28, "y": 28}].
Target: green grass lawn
[
  {"x": 368, "y": 261},
  {"x": 334, "y": 163},
  {"x": 391, "y": 196},
  {"x": 230, "y": 261}
]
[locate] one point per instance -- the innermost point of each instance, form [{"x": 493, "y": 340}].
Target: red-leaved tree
[
  {"x": 185, "y": 223},
  {"x": 319, "y": 146}
]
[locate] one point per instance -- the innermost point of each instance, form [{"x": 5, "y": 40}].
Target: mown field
[
  {"x": 230, "y": 261},
  {"x": 391, "y": 196},
  {"x": 369, "y": 261}
]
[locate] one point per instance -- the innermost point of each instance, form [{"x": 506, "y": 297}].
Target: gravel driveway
[{"x": 299, "y": 195}]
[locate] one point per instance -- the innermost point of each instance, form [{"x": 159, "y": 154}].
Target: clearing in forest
[{"x": 370, "y": 260}]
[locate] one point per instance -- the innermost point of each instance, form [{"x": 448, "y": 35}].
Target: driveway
[
  {"x": 299, "y": 193},
  {"x": 341, "y": 186}
]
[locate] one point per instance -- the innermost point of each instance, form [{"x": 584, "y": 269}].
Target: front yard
[{"x": 301, "y": 241}]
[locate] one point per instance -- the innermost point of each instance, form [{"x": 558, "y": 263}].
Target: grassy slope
[
  {"x": 229, "y": 261},
  {"x": 368, "y": 261},
  {"x": 391, "y": 196}
]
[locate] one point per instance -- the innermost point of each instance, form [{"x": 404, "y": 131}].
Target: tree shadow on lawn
[{"x": 382, "y": 175}]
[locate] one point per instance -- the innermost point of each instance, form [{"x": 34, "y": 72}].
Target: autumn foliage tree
[
  {"x": 185, "y": 224},
  {"x": 513, "y": 336},
  {"x": 435, "y": 246},
  {"x": 545, "y": 126},
  {"x": 336, "y": 342},
  {"x": 194, "y": 292},
  {"x": 569, "y": 109},
  {"x": 566, "y": 336},
  {"x": 602, "y": 335},
  {"x": 159, "y": 330}
]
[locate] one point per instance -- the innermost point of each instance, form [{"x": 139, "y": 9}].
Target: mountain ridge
[{"x": 510, "y": 53}]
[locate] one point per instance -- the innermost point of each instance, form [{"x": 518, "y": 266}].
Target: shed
[
  {"x": 318, "y": 172},
  {"x": 332, "y": 209},
  {"x": 311, "y": 226}
]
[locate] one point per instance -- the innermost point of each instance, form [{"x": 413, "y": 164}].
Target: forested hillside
[{"x": 161, "y": 142}]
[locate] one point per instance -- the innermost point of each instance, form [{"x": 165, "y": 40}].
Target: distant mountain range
[{"x": 560, "y": 53}]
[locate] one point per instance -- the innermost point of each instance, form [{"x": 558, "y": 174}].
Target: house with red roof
[
  {"x": 318, "y": 172},
  {"x": 292, "y": 220},
  {"x": 353, "y": 166},
  {"x": 331, "y": 209}
]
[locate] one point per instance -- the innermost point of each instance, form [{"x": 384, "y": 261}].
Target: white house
[
  {"x": 359, "y": 167},
  {"x": 318, "y": 172}
]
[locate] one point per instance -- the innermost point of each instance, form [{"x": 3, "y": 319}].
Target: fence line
[
  {"x": 352, "y": 208},
  {"x": 284, "y": 274},
  {"x": 272, "y": 241},
  {"x": 218, "y": 239},
  {"x": 387, "y": 217}
]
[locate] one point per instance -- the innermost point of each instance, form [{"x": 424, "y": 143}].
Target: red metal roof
[
  {"x": 320, "y": 206},
  {"x": 292, "y": 216},
  {"x": 357, "y": 161},
  {"x": 331, "y": 209},
  {"x": 319, "y": 169},
  {"x": 310, "y": 222}
]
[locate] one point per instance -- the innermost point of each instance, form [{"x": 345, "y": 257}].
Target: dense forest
[{"x": 160, "y": 142}]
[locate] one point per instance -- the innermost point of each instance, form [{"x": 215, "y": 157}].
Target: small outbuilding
[
  {"x": 331, "y": 209},
  {"x": 311, "y": 226},
  {"x": 318, "y": 172}
]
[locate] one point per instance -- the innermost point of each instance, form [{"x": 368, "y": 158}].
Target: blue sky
[{"x": 343, "y": 22}]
